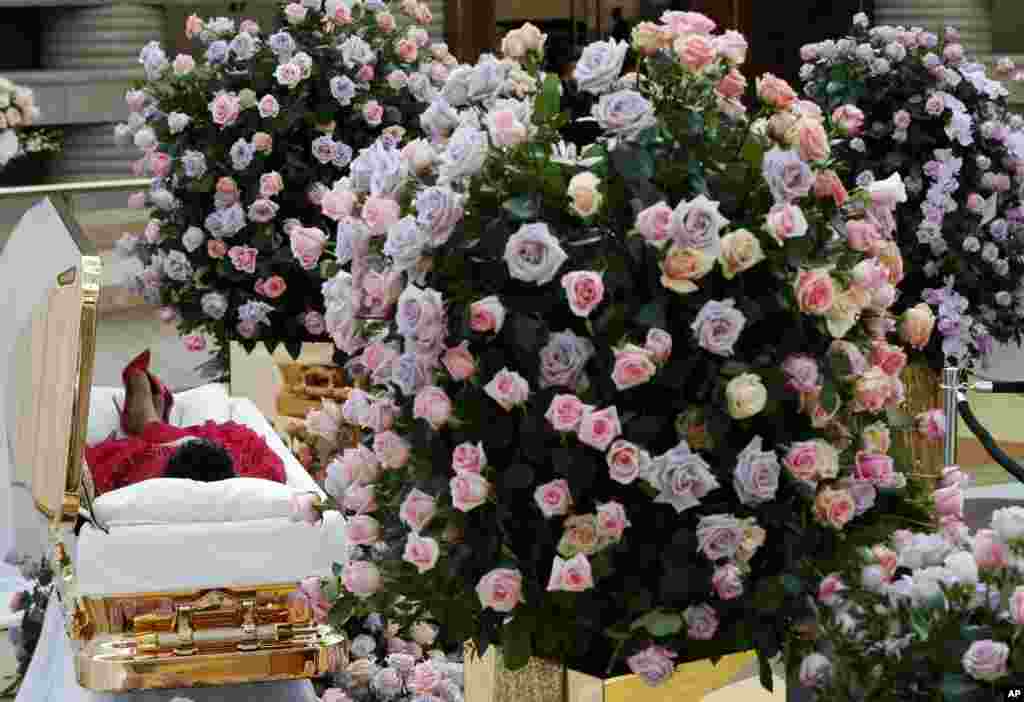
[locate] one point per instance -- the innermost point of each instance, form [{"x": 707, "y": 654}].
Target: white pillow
[
  {"x": 180, "y": 501},
  {"x": 191, "y": 407}
]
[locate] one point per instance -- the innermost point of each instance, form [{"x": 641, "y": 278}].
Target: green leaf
[
  {"x": 957, "y": 687},
  {"x": 659, "y": 623},
  {"x": 517, "y": 641},
  {"x": 340, "y": 613},
  {"x": 522, "y": 207},
  {"x": 336, "y": 568},
  {"x": 651, "y": 315},
  {"x": 549, "y": 102},
  {"x": 792, "y": 584},
  {"x": 734, "y": 368},
  {"x": 920, "y": 622},
  {"x": 829, "y": 397}
]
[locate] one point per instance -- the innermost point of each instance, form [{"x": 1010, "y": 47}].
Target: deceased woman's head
[{"x": 200, "y": 459}]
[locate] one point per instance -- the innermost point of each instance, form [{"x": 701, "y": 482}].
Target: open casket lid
[{"x": 50, "y": 280}]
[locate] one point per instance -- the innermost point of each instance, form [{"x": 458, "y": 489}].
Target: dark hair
[{"x": 200, "y": 459}]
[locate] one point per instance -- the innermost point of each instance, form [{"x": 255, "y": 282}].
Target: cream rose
[
  {"x": 745, "y": 395},
  {"x": 584, "y": 193},
  {"x": 682, "y": 266},
  {"x": 741, "y": 251}
]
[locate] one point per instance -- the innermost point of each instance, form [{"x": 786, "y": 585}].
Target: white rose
[
  {"x": 746, "y": 395},
  {"x": 465, "y": 154},
  {"x": 193, "y": 238},
  {"x": 1008, "y": 523},
  {"x": 586, "y": 198},
  {"x": 600, "y": 65},
  {"x": 888, "y": 191},
  {"x": 963, "y": 566},
  {"x": 533, "y": 255}
]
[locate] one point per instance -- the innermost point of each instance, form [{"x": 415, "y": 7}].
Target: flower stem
[{"x": 614, "y": 658}]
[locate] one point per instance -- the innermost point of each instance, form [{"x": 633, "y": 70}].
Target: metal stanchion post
[{"x": 951, "y": 389}]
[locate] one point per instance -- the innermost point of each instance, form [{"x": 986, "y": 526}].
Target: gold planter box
[{"x": 487, "y": 680}]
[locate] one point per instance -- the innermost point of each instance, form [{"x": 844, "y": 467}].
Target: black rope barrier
[{"x": 985, "y": 438}]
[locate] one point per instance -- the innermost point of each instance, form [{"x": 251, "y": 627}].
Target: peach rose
[
  {"x": 891, "y": 359},
  {"x": 775, "y": 91},
  {"x": 812, "y": 140},
  {"x": 682, "y": 266},
  {"x": 872, "y": 390},
  {"x": 584, "y": 193},
  {"x": 695, "y": 51},
  {"x": 647, "y": 38},
  {"x": 815, "y": 291},
  {"x": 916, "y": 325},
  {"x": 828, "y": 184},
  {"x": 216, "y": 248},
  {"x": 834, "y": 508}
]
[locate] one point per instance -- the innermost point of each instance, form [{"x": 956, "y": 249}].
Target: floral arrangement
[
  {"x": 926, "y": 615},
  {"x": 617, "y": 400},
  {"x": 387, "y": 668},
  {"x": 906, "y": 100},
  {"x": 32, "y": 603},
  {"x": 17, "y": 111},
  {"x": 244, "y": 145}
]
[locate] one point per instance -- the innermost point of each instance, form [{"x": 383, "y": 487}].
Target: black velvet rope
[
  {"x": 985, "y": 438},
  {"x": 1008, "y": 387}
]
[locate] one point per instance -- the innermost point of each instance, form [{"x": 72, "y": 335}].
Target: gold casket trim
[{"x": 222, "y": 635}]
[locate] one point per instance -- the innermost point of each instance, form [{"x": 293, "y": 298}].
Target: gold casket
[{"x": 204, "y": 617}]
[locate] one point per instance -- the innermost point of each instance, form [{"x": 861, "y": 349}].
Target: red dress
[{"x": 117, "y": 463}]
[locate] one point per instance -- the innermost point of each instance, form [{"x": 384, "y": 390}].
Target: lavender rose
[
  {"x": 986, "y": 660},
  {"x": 756, "y": 476},
  {"x": 438, "y": 211},
  {"x": 654, "y": 664},
  {"x": 682, "y": 478},
  {"x": 789, "y": 177},
  {"x": 465, "y": 154},
  {"x": 719, "y": 536},
  {"x": 563, "y": 360},
  {"x": 600, "y": 65},
  {"x": 625, "y": 113},
  {"x": 697, "y": 224},
  {"x": 718, "y": 326},
  {"x": 405, "y": 243},
  {"x": 533, "y": 255}
]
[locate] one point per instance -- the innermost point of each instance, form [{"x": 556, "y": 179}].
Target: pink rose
[
  {"x": 361, "y": 578},
  {"x": 680, "y": 23},
  {"x": 633, "y": 366},
  {"x": 891, "y": 359},
  {"x": 626, "y": 461},
  {"x": 314, "y": 323},
  {"x": 159, "y": 164},
  {"x": 397, "y": 79},
  {"x": 701, "y": 622},
  {"x": 775, "y": 91},
  {"x": 732, "y": 46},
  {"x": 654, "y": 664},
  {"x": 338, "y": 204},
  {"x": 598, "y": 428},
  {"x": 611, "y": 521},
  {"x": 271, "y": 184},
  {"x": 815, "y": 291},
  {"x": 459, "y": 362},
  {"x": 385, "y": 21},
  {"x": 733, "y": 85},
  {"x": 193, "y": 26},
  {"x": 194, "y": 342},
  {"x": 360, "y": 499},
  {"x": 585, "y": 290},
  {"x": 654, "y": 224},
  {"x": 500, "y": 590},
  {"x": 916, "y": 325},
  {"x": 362, "y": 530},
  {"x": 553, "y": 498},
  {"x": 391, "y": 450},
  {"x": 952, "y": 475},
  {"x": 508, "y": 389},
  {"x": 812, "y": 140},
  {"x": 137, "y": 200},
  {"x": 505, "y": 127},
  {"x": 953, "y": 53},
  {"x": 986, "y": 659},
  {"x": 417, "y": 510},
  {"x": 874, "y": 468},
  {"x": 407, "y": 50},
  {"x": 1016, "y": 606},
  {"x": 565, "y": 412},
  {"x": 380, "y": 213},
  {"x": 433, "y": 405},
  {"x": 304, "y": 508},
  {"x": 834, "y": 508},
  {"x": 225, "y": 109},
  {"x": 802, "y": 461},
  {"x": 421, "y": 551},
  {"x": 307, "y": 245},
  {"x": 828, "y": 591},
  {"x": 469, "y": 490},
  {"x": 469, "y": 457},
  {"x": 243, "y": 258},
  {"x": 872, "y": 390},
  {"x": 310, "y": 589},
  {"x": 989, "y": 550},
  {"x": 658, "y": 344},
  {"x": 949, "y": 501},
  {"x": 373, "y": 113},
  {"x": 268, "y": 107},
  {"x": 848, "y": 119},
  {"x": 216, "y": 248},
  {"x": 801, "y": 373},
  {"x": 934, "y": 105},
  {"x": 901, "y": 119},
  {"x": 487, "y": 315},
  {"x": 786, "y": 221},
  {"x": 365, "y": 74},
  {"x": 695, "y": 51},
  {"x": 828, "y": 184},
  {"x": 864, "y": 236},
  {"x": 573, "y": 575},
  {"x": 727, "y": 582},
  {"x": 932, "y": 424}
]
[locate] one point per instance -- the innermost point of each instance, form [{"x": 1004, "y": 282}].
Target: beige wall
[{"x": 551, "y": 9}]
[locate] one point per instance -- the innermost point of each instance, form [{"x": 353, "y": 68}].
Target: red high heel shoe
[{"x": 141, "y": 364}]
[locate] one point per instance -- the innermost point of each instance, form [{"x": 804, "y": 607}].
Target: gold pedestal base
[
  {"x": 487, "y": 680},
  {"x": 923, "y": 392}
]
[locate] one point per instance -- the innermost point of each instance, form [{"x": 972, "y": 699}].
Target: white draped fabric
[{"x": 51, "y": 678}]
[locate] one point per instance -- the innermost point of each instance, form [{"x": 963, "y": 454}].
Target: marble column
[
  {"x": 972, "y": 17},
  {"x": 96, "y": 51}
]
